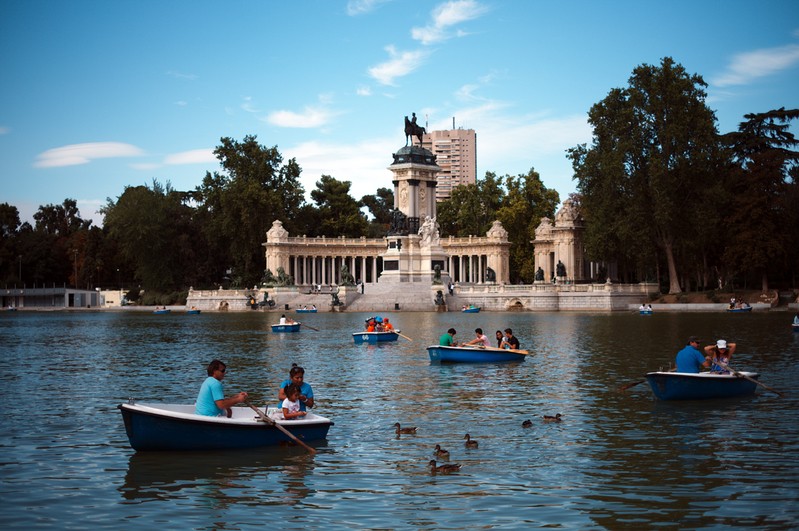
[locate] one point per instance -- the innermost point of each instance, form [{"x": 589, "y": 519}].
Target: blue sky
[{"x": 97, "y": 95}]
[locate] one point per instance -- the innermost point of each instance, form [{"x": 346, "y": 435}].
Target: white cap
[{"x": 721, "y": 344}]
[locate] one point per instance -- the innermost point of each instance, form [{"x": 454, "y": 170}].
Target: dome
[{"x": 414, "y": 154}]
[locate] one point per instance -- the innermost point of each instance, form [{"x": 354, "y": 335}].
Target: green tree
[
  {"x": 339, "y": 213},
  {"x": 471, "y": 208},
  {"x": 239, "y": 205},
  {"x": 9, "y": 253},
  {"x": 380, "y": 205},
  {"x": 763, "y": 151},
  {"x": 653, "y": 147}
]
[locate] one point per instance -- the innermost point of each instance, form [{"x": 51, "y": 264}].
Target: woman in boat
[
  {"x": 211, "y": 400},
  {"x": 291, "y": 404},
  {"x": 297, "y": 376},
  {"x": 500, "y": 338},
  {"x": 720, "y": 353},
  {"x": 480, "y": 340}
]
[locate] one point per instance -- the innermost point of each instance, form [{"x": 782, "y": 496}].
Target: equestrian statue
[{"x": 411, "y": 129}]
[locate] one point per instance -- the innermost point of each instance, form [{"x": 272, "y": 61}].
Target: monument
[{"x": 414, "y": 252}]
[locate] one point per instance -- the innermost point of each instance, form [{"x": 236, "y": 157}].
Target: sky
[{"x": 98, "y": 95}]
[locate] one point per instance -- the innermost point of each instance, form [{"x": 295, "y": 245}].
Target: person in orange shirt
[{"x": 387, "y": 327}]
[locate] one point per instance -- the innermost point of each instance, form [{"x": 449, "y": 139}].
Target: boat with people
[
  {"x": 473, "y": 354},
  {"x": 305, "y": 310},
  {"x": 193, "y": 311},
  {"x": 668, "y": 385},
  {"x": 470, "y": 309},
  {"x": 286, "y": 327},
  {"x": 740, "y": 309},
  {"x": 158, "y": 426},
  {"x": 375, "y": 337},
  {"x": 162, "y": 311}
]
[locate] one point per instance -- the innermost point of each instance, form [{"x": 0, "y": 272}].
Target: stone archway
[{"x": 515, "y": 305}]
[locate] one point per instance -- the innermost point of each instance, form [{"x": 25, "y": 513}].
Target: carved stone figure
[
  {"x": 412, "y": 129},
  {"x": 561, "y": 269},
  {"x": 539, "y": 274},
  {"x": 491, "y": 275},
  {"x": 346, "y": 278},
  {"x": 439, "y": 298},
  {"x": 429, "y": 232},
  {"x": 437, "y": 274}
]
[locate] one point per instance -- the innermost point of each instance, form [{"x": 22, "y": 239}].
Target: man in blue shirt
[
  {"x": 211, "y": 400},
  {"x": 690, "y": 359}
]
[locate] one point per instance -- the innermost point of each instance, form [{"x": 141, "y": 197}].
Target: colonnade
[{"x": 326, "y": 269}]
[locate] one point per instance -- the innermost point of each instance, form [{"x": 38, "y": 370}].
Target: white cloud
[
  {"x": 76, "y": 154},
  {"x": 400, "y": 64},
  {"x": 308, "y": 118},
  {"x": 360, "y": 7},
  {"x": 248, "y": 106},
  {"x": 194, "y": 156},
  {"x": 445, "y": 16},
  {"x": 363, "y": 91},
  {"x": 746, "y": 67}
]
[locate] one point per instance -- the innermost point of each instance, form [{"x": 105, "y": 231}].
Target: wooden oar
[
  {"x": 309, "y": 326},
  {"x": 515, "y": 351},
  {"x": 741, "y": 375},
  {"x": 281, "y": 428},
  {"x": 403, "y": 335},
  {"x": 633, "y": 384}
]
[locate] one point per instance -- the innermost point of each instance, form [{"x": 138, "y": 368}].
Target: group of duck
[{"x": 439, "y": 452}]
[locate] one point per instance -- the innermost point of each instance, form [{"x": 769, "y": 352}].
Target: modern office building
[{"x": 456, "y": 155}]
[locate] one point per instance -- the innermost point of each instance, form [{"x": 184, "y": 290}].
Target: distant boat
[
  {"x": 153, "y": 426},
  {"x": 738, "y": 310},
  {"x": 645, "y": 311},
  {"x": 442, "y": 354},
  {"x": 193, "y": 311},
  {"x": 161, "y": 311},
  {"x": 11, "y": 308},
  {"x": 470, "y": 309},
  {"x": 305, "y": 310},
  {"x": 795, "y": 327},
  {"x": 375, "y": 337},
  {"x": 698, "y": 386},
  {"x": 288, "y": 327}
]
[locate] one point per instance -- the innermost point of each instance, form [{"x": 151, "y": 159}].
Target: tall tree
[
  {"x": 240, "y": 203},
  {"x": 471, "y": 208},
  {"x": 380, "y": 206},
  {"x": 652, "y": 148},
  {"x": 763, "y": 150},
  {"x": 339, "y": 213}
]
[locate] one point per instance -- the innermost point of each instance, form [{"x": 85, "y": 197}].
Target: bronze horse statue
[{"x": 411, "y": 129}]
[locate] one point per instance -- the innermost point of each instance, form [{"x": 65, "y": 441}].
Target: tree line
[{"x": 665, "y": 197}]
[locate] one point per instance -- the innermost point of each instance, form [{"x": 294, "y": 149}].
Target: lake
[{"x": 618, "y": 460}]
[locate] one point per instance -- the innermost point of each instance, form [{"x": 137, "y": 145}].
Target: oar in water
[
  {"x": 281, "y": 428},
  {"x": 633, "y": 384},
  {"x": 403, "y": 335},
  {"x": 309, "y": 326},
  {"x": 741, "y": 375}
]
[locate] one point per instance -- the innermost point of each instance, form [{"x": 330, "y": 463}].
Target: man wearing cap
[
  {"x": 719, "y": 354},
  {"x": 689, "y": 359}
]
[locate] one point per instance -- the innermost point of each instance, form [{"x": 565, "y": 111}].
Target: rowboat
[
  {"x": 193, "y": 312},
  {"x": 471, "y": 309},
  {"x": 697, "y": 386},
  {"x": 153, "y": 426},
  {"x": 442, "y": 354},
  {"x": 305, "y": 310},
  {"x": 292, "y": 327},
  {"x": 162, "y": 311},
  {"x": 645, "y": 312},
  {"x": 375, "y": 337},
  {"x": 795, "y": 327},
  {"x": 738, "y": 310}
]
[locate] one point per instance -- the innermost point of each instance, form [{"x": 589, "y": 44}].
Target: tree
[
  {"x": 9, "y": 254},
  {"x": 653, "y": 147},
  {"x": 471, "y": 208},
  {"x": 380, "y": 206},
  {"x": 239, "y": 205},
  {"x": 762, "y": 150},
  {"x": 339, "y": 213}
]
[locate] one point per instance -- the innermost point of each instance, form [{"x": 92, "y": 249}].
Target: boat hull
[
  {"x": 286, "y": 327},
  {"x": 193, "y": 312},
  {"x": 374, "y": 337},
  {"x": 305, "y": 311},
  {"x": 739, "y": 310},
  {"x": 685, "y": 386},
  {"x": 795, "y": 327},
  {"x": 441, "y": 354},
  {"x": 645, "y": 312},
  {"x": 162, "y": 312},
  {"x": 471, "y": 310},
  {"x": 176, "y": 427}
]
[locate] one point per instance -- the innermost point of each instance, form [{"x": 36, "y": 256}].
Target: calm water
[{"x": 617, "y": 461}]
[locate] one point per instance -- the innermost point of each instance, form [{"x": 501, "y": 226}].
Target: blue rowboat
[
  {"x": 375, "y": 337},
  {"x": 739, "y": 310},
  {"x": 153, "y": 426},
  {"x": 699, "y": 386},
  {"x": 795, "y": 327},
  {"x": 443, "y": 354},
  {"x": 293, "y": 327},
  {"x": 193, "y": 312},
  {"x": 645, "y": 312},
  {"x": 305, "y": 310},
  {"x": 162, "y": 311},
  {"x": 471, "y": 309}
]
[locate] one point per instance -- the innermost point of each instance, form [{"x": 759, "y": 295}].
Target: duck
[
  {"x": 469, "y": 442},
  {"x": 404, "y": 430},
  {"x": 440, "y": 452},
  {"x": 550, "y": 418},
  {"x": 527, "y": 424},
  {"x": 444, "y": 469}
]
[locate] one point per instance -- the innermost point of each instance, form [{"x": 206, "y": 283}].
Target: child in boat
[{"x": 291, "y": 404}]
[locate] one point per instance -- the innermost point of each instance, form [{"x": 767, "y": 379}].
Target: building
[{"x": 456, "y": 154}]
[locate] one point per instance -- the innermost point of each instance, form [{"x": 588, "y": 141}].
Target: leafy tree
[
  {"x": 762, "y": 149},
  {"x": 471, "y": 208},
  {"x": 380, "y": 206},
  {"x": 339, "y": 213},
  {"x": 9, "y": 255},
  {"x": 653, "y": 147},
  {"x": 239, "y": 205}
]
